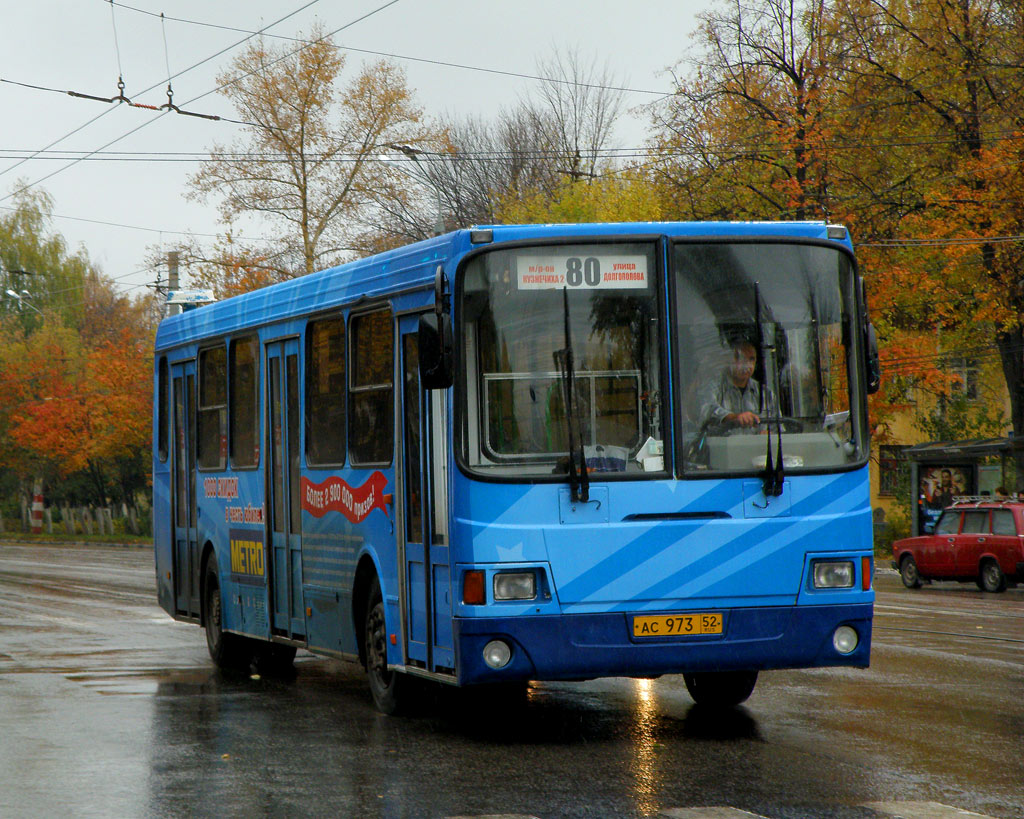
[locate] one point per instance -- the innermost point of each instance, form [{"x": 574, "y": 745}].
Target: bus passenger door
[
  {"x": 183, "y": 490},
  {"x": 284, "y": 510},
  {"x": 424, "y": 539}
]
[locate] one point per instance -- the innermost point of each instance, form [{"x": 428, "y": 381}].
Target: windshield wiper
[
  {"x": 774, "y": 474},
  {"x": 579, "y": 480}
]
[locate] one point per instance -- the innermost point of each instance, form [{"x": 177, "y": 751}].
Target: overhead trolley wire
[
  {"x": 94, "y": 119},
  {"x": 190, "y": 68},
  {"x": 428, "y": 61}
]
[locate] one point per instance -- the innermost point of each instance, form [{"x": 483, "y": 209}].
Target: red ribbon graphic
[{"x": 334, "y": 495}]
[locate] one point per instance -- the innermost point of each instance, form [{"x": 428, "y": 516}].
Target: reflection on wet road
[{"x": 109, "y": 708}]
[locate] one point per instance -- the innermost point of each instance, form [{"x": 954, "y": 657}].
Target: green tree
[{"x": 35, "y": 262}]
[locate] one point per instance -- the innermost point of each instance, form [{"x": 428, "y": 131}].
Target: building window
[
  {"x": 967, "y": 371},
  {"x": 892, "y": 467}
]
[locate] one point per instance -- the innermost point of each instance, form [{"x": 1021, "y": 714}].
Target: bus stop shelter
[{"x": 941, "y": 470}]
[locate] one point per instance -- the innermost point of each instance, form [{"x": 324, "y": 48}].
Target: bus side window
[
  {"x": 371, "y": 402},
  {"x": 243, "y": 415},
  {"x": 325, "y": 392},
  {"x": 211, "y": 421},
  {"x": 162, "y": 409}
]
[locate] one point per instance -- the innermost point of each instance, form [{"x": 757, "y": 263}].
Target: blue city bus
[{"x": 496, "y": 456}]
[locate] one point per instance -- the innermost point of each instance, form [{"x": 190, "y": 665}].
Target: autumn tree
[
  {"x": 945, "y": 77},
  {"x": 491, "y": 169},
  {"x": 306, "y": 162},
  {"x": 75, "y": 368},
  {"x": 747, "y": 134},
  {"x": 627, "y": 196}
]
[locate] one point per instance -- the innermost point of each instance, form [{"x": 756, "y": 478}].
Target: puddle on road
[{"x": 134, "y": 682}]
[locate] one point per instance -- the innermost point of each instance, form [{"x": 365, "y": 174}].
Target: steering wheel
[{"x": 787, "y": 422}]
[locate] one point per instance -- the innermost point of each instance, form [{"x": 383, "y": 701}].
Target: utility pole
[{"x": 172, "y": 280}]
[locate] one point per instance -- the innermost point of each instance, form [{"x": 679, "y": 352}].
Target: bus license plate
[{"x": 677, "y": 625}]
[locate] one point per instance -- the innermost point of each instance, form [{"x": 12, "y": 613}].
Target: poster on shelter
[{"x": 939, "y": 485}]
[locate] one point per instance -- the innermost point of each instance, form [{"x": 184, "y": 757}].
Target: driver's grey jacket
[{"x": 722, "y": 397}]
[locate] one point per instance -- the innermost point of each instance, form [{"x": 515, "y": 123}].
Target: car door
[
  {"x": 1004, "y": 543},
  {"x": 935, "y": 552},
  {"x": 973, "y": 539}
]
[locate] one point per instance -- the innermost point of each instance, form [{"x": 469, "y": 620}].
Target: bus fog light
[
  {"x": 515, "y": 586},
  {"x": 845, "y": 639},
  {"x": 833, "y": 574},
  {"x": 497, "y": 654}
]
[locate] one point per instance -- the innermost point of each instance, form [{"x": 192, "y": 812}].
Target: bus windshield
[
  {"x": 764, "y": 334},
  {"x": 523, "y": 310}
]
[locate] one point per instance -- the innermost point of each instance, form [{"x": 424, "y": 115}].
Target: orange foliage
[{"x": 69, "y": 406}]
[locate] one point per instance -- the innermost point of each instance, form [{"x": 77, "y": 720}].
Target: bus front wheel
[
  {"x": 723, "y": 689},
  {"x": 392, "y": 690}
]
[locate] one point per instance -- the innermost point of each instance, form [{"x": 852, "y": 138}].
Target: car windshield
[
  {"x": 766, "y": 340},
  {"x": 537, "y": 319}
]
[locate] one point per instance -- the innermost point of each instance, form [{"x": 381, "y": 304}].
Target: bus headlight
[
  {"x": 515, "y": 586},
  {"x": 832, "y": 574},
  {"x": 845, "y": 639},
  {"x": 497, "y": 654}
]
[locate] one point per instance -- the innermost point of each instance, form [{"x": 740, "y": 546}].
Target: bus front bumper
[{"x": 586, "y": 646}]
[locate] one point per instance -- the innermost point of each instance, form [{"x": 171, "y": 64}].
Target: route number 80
[{"x": 579, "y": 271}]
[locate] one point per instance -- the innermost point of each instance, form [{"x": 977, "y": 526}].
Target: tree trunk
[{"x": 1010, "y": 352}]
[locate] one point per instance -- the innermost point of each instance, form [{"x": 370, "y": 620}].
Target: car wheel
[
  {"x": 393, "y": 692},
  {"x": 992, "y": 577},
  {"x": 722, "y": 689},
  {"x": 908, "y": 572}
]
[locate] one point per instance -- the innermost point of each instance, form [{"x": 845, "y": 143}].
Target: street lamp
[
  {"x": 21, "y": 299},
  {"x": 421, "y": 177}
]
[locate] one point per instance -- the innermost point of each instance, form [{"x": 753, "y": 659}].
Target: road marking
[
  {"x": 709, "y": 813},
  {"x": 922, "y": 810}
]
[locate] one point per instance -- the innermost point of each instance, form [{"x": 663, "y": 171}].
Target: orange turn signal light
[{"x": 473, "y": 592}]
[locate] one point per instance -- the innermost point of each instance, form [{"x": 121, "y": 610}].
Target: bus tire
[
  {"x": 992, "y": 577},
  {"x": 908, "y": 572},
  {"x": 722, "y": 689},
  {"x": 226, "y": 650},
  {"x": 391, "y": 690}
]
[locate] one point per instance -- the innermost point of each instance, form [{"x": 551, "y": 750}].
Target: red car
[{"x": 979, "y": 540}]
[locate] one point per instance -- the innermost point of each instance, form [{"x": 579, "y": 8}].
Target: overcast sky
[{"x": 119, "y": 209}]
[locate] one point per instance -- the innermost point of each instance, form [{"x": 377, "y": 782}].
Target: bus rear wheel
[
  {"x": 226, "y": 650},
  {"x": 393, "y": 692},
  {"x": 722, "y": 689}
]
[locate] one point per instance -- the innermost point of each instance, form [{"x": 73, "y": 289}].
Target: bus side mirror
[
  {"x": 435, "y": 342},
  {"x": 873, "y": 370}
]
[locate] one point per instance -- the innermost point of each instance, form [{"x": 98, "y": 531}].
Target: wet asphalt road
[{"x": 109, "y": 708}]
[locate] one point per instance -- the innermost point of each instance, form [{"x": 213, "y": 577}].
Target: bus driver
[{"x": 732, "y": 404}]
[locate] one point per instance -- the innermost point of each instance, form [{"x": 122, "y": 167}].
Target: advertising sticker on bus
[
  {"x": 604, "y": 272},
  {"x": 354, "y": 502}
]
